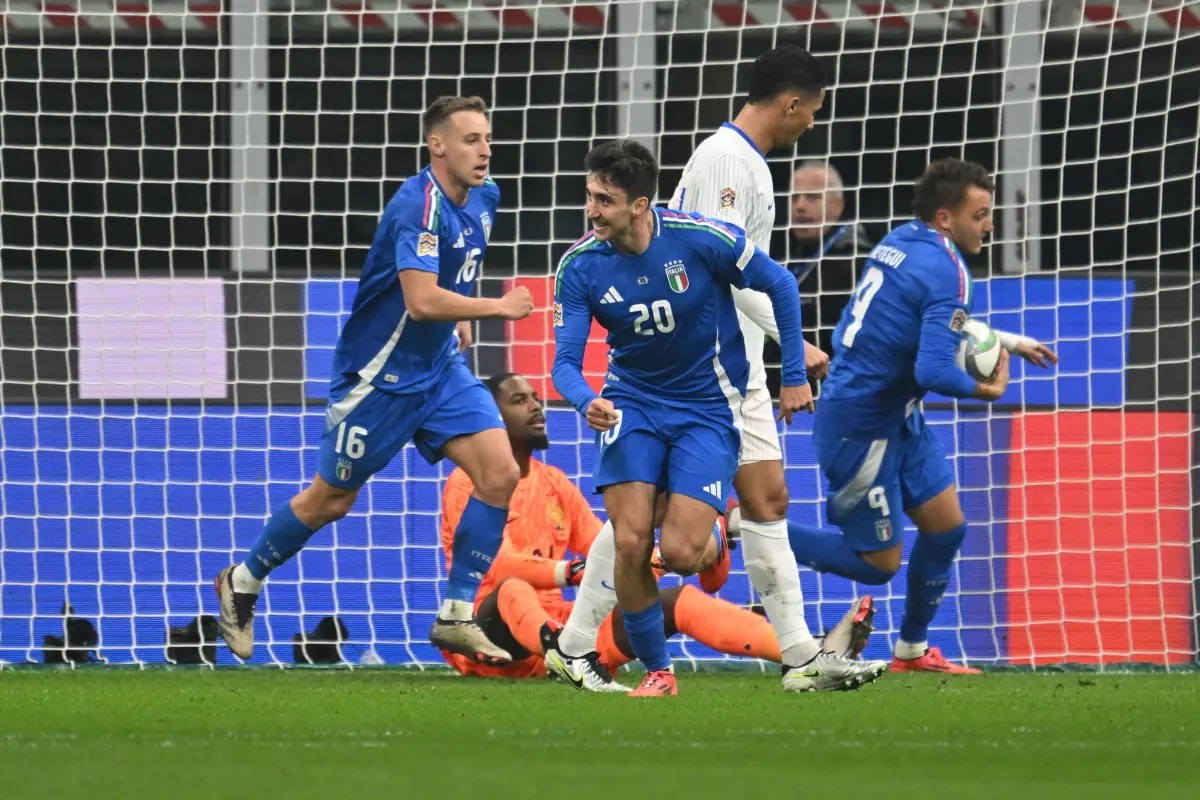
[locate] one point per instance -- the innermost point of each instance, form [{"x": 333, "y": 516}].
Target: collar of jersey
[
  {"x": 953, "y": 246},
  {"x": 742, "y": 134},
  {"x": 429, "y": 169}
]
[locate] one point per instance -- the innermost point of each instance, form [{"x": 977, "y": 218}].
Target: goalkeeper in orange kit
[{"x": 548, "y": 537}]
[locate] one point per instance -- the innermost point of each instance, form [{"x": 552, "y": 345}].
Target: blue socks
[
  {"x": 827, "y": 551},
  {"x": 477, "y": 539},
  {"x": 647, "y": 636},
  {"x": 282, "y": 538},
  {"x": 928, "y": 575}
]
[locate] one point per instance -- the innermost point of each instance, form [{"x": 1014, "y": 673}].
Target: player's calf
[
  {"x": 285, "y": 534},
  {"x": 630, "y": 506},
  {"x": 487, "y": 458},
  {"x": 770, "y": 564}
]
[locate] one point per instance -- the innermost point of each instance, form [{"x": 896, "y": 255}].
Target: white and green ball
[{"x": 979, "y": 352}]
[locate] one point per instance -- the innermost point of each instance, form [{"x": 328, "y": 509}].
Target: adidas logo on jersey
[
  {"x": 714, "y": 489},
  {"x": 460, "y": 242},
  {"x": 611, "y": 296}
]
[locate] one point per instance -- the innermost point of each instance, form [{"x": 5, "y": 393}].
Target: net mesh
[{"x": 163, "y": 392}]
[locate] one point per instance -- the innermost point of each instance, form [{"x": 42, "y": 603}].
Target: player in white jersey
[{"x": 728, "y": 179}]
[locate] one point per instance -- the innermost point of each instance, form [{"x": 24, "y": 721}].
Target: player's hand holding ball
[
  {"x": 517, "y": 304},
  {"x": 602, "y": 415},
  {"x": 993, "y": 389},
  {"x": 793, "y": 399}
]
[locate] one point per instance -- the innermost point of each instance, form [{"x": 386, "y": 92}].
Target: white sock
[
  {"x": 456, "y": 611},
  {"x": 906, "y": 651},
  {"x": 776, "y": 578},
  {"x": 244, "y": 582},
  {"x": 595, "y": 599}
]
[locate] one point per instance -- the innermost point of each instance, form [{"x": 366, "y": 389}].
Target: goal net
[{"x": 189, "y": 189}]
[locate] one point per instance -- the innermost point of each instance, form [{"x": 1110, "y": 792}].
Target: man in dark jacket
[{"x": 824, "y": 253}]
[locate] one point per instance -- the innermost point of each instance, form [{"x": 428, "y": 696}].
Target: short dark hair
[
  {"x": 493, "y": 383},
  {"x": 782, "y": 69},
  {"x": 443, "y": 108},
  {"x": 626, "y": 164},
  {"x": 944, "y": 184}
]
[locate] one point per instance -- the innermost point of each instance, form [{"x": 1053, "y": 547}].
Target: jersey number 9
[
  {"x": 664, "y": 319},
  {"x": 862, "y": 298}
]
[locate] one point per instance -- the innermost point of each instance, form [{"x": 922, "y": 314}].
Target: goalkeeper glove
[{"x": 570, "y": 573}]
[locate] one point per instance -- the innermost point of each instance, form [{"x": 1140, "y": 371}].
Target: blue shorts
[
  {"x": 687, "y": 451},
  {"x": 872, "y": 481},
  {"x": 366, "y": 427}
]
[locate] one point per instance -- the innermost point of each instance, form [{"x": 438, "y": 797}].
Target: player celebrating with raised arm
[
  {"x": 896, "y": 341},
  {"x": 670, "y": 412},
  {"x": 398, "y": 377}
]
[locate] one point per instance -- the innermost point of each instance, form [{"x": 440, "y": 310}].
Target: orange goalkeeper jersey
[{"x": 547, "y": 519}]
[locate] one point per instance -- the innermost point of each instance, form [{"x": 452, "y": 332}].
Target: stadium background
[{"x": 132, "y": 474}]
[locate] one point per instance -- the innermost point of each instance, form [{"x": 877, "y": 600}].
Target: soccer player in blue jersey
[
  {"x": 668, "y": 418},
  {"x": 398, "y": 376},
  {"x": 897, "y": 339}
]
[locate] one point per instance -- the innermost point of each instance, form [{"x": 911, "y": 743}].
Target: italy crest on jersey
[
  {"x": 677, "y": 276},
  {"x": 486, "y": 221}
]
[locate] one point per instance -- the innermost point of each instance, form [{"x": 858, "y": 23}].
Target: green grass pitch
[{"x": 233, "y": 734}]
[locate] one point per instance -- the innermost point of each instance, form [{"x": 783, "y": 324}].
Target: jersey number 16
[{"x": 862, "y": 298}]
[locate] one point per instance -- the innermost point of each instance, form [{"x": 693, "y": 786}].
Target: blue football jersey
[
  {"x": 899, "y": 333},
  {"x": 673, "y": 331},
  {"x": 420, "y": 229}
]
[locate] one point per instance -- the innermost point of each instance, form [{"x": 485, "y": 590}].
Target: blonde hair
[{"x": 443, "y": 108}]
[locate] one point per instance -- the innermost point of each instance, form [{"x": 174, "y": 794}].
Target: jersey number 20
[
  {"x": 862, "y": 298},
  {"x": 664, "y": 319}
]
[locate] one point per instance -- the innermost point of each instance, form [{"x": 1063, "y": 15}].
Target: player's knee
[
  {"x": 633, "y": 546},
  {"x": 498, "y": 482},
  {"x": 512, "y": 588},
  {"x": 337, "y": 507},
  {"x": 886, "y": 561},
  {"x": 683, "y": 555},
  {"x": 321, "y": 504},
  {"x": 765, "y": 501}
]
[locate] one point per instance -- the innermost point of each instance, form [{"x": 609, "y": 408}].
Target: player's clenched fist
[
  {"x": 602, "y": 415},
  {"x": 816, "y": 362},
  {"x": 517, "y": 304},
  {"x": 793, "y": 399}
]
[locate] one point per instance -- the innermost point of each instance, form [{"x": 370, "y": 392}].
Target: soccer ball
[{"x": 979, "y": 352}]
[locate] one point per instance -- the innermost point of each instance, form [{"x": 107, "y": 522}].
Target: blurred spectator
[{"x": 824, "y": 253}]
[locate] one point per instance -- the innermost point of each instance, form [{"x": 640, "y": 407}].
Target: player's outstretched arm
[{"x": 428, "y": 302}]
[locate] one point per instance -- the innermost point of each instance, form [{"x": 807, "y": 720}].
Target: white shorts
[{"x": 760, "y": 433}]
